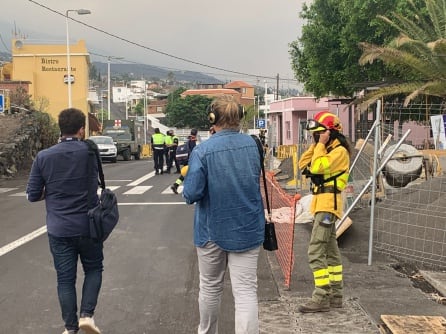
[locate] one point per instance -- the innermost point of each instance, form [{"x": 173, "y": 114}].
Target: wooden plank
[
  {"x": 345, "y": 225},
  {"x": 411, "y": 324}
]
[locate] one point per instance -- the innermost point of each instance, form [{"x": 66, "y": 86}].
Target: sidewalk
[{"x": 370, "y": 291}]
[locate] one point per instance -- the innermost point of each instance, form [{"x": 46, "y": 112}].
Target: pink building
[{"x": 287, "y": 118}]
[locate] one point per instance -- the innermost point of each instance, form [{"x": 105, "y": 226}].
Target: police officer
[
  {"x": 171, "y": 147},
  {"x": 326, "y": 162},
  {"x": 158, "y": 145},
  {"x": 168, "y": 144}
]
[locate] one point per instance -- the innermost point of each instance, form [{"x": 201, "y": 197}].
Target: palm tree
[{"x": 419, "y": 53}]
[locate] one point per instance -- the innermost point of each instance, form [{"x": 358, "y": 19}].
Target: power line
[
  {"x": 152, "y": 49},
  {"x": 254, "y": 81}
]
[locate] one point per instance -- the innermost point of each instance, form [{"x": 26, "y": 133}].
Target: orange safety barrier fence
[{"x": 279, "y": 199}]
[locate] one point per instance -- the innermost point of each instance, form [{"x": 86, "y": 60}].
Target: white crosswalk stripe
[
  {"x": 138, "y": 190},
  {"x": 169, "y": 191},
  {"x": 5, "y": 190},
  {"x": 20, "y": 194}
]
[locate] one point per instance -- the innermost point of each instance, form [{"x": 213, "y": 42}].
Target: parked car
[{"x": 106, "y": 146}]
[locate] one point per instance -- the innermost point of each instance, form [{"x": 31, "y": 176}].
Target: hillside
[{"x": 149, "y": 72}]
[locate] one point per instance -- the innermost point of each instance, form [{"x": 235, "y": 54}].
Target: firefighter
[{"x": 326, "y": 162}]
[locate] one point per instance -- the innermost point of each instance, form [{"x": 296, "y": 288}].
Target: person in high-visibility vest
[
  {"x": 158, "y": 144},
  {"x": 168, "y": 140},
  {"x": 171, "y": 147},
  {"x": 326, "y": 162}
]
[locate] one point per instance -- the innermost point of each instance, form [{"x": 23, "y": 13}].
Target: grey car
[{"x": 106, "y": 146}]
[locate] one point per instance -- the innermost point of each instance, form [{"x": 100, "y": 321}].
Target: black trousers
[{"x": 158, "y": 159}]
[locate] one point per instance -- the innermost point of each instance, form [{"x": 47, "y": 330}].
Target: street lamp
[
  {"x": 79, "y": 12},
  {"x": 108, "y": 83}
]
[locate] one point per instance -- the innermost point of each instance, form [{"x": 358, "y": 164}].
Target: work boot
[
  {"x": 313, "y": 307},
  {"x": 174, "y": 188},
  {"x": 156, "y": 172},
  {"x": 336, "y": 302}
]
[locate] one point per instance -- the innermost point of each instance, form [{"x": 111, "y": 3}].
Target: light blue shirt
[{"x": 223, "y": 180}]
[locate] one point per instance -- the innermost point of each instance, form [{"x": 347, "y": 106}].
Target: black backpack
[{"x": 182, "y": 153}]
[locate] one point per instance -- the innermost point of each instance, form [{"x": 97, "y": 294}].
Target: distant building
[
  {"x": 44, "y": 66},
  {"x": 242, "y": 91}
]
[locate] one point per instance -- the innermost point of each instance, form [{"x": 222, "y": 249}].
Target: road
[{"x": 150, "y": 282}]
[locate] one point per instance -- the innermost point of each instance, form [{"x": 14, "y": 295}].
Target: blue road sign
[
  {"x": 261, "y": 123},
  {"x": 2, "y": 103}
]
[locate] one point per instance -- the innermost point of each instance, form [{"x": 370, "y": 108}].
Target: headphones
[{"x": 213, "y": 114}]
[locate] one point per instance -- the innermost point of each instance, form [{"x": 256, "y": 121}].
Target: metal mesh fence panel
[
  {"x": 409, "y": 217},
  {"x": 283, "y": 208}
]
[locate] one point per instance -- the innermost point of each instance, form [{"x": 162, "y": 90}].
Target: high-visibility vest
[
  {"x": 158, "y": 139},
  {"x": 168, "y": 140}
]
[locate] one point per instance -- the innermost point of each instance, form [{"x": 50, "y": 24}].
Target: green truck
[{"x": 128, "y": 136}]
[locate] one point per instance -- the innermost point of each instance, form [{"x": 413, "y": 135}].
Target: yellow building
[{"x": 45, "y": 67}]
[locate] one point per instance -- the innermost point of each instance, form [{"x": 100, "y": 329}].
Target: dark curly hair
[{"x": 71, "y": 120}]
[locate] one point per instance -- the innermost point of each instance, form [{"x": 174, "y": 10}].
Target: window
[{"x": 288, "y": 129}]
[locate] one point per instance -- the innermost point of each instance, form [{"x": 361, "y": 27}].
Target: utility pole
[{"x": 277, "y": 87}]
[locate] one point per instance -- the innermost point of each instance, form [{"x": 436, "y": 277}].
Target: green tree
[
  {"x": 189, "y": 111},
  {"x": 139, "y": 108},
  {"x": 419, "y": 52},
  {"x": 325, "y": 58}
]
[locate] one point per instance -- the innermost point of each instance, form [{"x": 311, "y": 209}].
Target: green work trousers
[{"x": 325, "y": 259}]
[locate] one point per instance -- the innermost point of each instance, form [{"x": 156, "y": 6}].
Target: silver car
[{"x": 106, "y": 146}]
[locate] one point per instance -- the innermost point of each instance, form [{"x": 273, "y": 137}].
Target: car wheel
[
  {"x": 138, "y": 154},
  {"x": 126, "y": 155}
]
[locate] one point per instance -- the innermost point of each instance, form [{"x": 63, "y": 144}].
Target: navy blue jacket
[{"x": 60, "y": 175}]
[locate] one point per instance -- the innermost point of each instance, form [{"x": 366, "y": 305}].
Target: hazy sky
[{"x": 246, "y": 36}]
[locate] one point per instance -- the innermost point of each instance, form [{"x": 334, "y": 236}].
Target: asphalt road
[{"x": 150, "y": 281}]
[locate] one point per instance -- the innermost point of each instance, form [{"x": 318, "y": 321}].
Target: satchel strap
[
  {"x": 93, "y": 148},
  {"x": 93, "y": 152},
  {"x": 262, "y": 166}
]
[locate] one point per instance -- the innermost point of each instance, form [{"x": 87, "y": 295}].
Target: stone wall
[{"x": 20, "y": 140}]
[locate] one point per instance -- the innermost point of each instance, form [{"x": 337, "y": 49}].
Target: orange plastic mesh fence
[{"x": 283, "y": 208}]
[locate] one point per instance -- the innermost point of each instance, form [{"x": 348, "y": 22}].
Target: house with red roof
[{"x": 242, "y": 91}]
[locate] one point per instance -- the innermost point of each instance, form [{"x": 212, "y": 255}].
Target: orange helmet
[{"x": 324, "y": 120}]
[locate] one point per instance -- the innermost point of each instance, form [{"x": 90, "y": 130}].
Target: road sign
[
  {"x": 261, "y": 123},
  {"x": 2, "y": 103}
]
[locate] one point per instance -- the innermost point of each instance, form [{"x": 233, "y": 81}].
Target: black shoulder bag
[
  {"x": 105, "y": 215},
  {"x": 270, "y": 242}
]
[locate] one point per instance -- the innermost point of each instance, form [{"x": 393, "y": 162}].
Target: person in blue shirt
[
  {"x": 223, "y": 180},
  {"x": 62, "y": 175}
]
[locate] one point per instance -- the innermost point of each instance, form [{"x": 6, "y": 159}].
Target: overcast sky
[{"x": 246, "y": 36}]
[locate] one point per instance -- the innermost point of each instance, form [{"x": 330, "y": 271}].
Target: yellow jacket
[{"x": 327, "y": 161}]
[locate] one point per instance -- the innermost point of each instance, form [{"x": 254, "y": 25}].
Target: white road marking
[
  {"x": 5, "y": 190},
  {"x": 169, "y": 191},
  {"x": 23, "y": 240},
  {"x": 142, "y": 179},
  {"x": 20, "y": 194},
  {"x": 134, "y": 191},
  {"x": 138, "y": 190}
]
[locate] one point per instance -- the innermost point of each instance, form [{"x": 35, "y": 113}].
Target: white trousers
[{"x": 212, "y": 263}]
